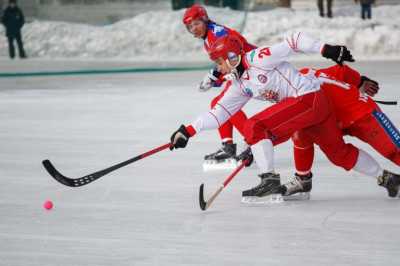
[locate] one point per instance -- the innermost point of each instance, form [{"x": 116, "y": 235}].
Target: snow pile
[{"x": 161, "y": 35}]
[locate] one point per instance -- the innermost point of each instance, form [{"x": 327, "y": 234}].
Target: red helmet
[
  {"x": 227, "y": 47},
  {"x": 194, "y": 12}
]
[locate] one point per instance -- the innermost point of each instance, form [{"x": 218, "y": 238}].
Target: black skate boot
[
  {"x": 391, "y": 182},
  {"x": 227, "y": 151},
  {"x": 270, "y": 184},
  {"x": 300, "y": 183}
]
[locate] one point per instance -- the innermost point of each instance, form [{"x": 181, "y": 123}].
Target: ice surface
[
  {"x": 147, "y": 213},
  {"x": 161, "y": 35}
]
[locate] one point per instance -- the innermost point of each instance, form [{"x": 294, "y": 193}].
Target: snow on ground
[
  {"x": 147, "y": 213},
  {"x": 160, "y": 35}
]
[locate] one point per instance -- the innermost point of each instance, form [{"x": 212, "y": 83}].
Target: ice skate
[
  {"x": 266, "y": 192},
  {"x": 298, "y": 188},
  {"x": 391, "y": 182},
  {"x": 222, "y": 159}
]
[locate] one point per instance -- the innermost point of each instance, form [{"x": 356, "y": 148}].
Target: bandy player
[
  {"x": 201, "y": 26},
  {"x": 358, "y": 116},
  {"x": 300, "y": 104}
]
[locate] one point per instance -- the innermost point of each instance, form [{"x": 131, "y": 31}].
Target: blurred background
[
  {"x": 152, "y": 30},
  {"x": 110, "y": 11}
]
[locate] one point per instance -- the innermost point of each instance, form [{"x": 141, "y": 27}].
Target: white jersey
[{"x": 268, "y": 77}]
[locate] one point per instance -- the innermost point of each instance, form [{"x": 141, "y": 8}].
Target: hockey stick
[
  {"x": 204, "y": 205},
  {"x": 386, "y": 102},
  {"x": 81, "y": 181}
]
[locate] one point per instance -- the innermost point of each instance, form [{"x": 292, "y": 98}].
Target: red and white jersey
[{"x": 268, "y": 77}]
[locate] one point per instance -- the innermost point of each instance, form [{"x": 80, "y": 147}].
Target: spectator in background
[
  {"x": 366, "y": 8},
  {"x": 328, "y": 7},
  {"x": 13, "y": 20}
]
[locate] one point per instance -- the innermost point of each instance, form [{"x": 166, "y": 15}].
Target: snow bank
[{"x": 160, "y": 35}]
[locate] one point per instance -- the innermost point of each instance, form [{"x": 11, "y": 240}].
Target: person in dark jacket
[
  {"x": 366, "y": 8},
  {"x": 13, "y": 20},
  {"x": 320, "y": 4}
]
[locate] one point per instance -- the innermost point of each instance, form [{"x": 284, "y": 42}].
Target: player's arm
[
  {"x": 300, "y": 42},
  {"x": 295, "y": 43},
  {"x": 353, "y": 77},
  {"x": 228, "y": 105}
]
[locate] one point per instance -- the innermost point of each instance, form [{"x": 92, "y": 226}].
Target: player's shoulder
[
  {"x": 258, "y": 55},
  {"x": 217, "y": 30}
]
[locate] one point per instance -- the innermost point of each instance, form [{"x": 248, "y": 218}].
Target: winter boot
[
  {"x": 391, "y": 182},
  {"x": 300, "y": 183},
  {"x": 270, "y": 184},
  {"x": 227, "y": 151}
]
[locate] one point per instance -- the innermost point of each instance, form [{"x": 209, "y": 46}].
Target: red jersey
[
  {"x": 215, "y": 31},
  {"x": 348, "y": 103}
]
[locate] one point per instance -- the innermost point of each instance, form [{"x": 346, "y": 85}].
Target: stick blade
[
  {"x": 203, "y": 203},
  {"x": 57, "y": 175}
]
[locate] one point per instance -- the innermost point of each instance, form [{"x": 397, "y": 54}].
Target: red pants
[
  {"x": 311, "y": 113},
  {"x": 370, "y": 129},
  {"x": 237, "y": 120}
]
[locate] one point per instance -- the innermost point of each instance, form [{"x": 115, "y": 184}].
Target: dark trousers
[
  {"x": 11, "y": 50},
  {"x": 366, "y": 11},
  {"x": 321, "y": 8}
]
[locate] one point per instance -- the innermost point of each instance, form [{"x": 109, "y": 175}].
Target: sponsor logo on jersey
[
  {"x": 269, "y": 95},
  {"x": 248, "y": 92},
  {"x": 218, "y": 30},
  {"x": 262, "y": 78}
]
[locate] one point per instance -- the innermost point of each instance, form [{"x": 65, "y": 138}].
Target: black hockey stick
[
  {"x": 81, "y": 181},
  {"x": 204, "y": 205},
  {"x": 386, "y": 102}
]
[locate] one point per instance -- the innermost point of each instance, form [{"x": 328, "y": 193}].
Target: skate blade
[
  {"x": 298, "y": 196},
  {"x": 270, "y": 199},
  {"x": 211, "y": 165}
]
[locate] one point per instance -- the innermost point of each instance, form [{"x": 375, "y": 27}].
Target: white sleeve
[
  {"x": 232, "y": 101},
  {"x": 298, "y": 42}
]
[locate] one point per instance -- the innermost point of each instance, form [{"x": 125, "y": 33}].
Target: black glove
[
  {"x": 368, "y": 86},
  {"x": 337, "y": 53},
  {"x": 246, "y": 156},
  {"x": 179, "y": 138}
]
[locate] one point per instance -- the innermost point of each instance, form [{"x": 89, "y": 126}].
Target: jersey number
[{"x": 264, "y": 51}]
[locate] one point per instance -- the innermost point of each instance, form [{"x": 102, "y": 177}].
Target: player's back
[{"x": 348, "y": 103}]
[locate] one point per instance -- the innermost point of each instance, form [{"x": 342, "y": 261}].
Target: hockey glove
[
  {"x": 179, "y": 138},
  {"x": 368, "y": 86},
  {"x": 210, "y": 80},
  {"x": 337, "y": 53},
  {"x": 246, "y": 156}
]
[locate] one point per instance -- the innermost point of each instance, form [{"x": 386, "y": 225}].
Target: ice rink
[{"x": 148, "y": 213}]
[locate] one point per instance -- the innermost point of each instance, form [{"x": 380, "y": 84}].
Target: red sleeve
[
  {"x": 246, "y": 46},
  {"x": 190, "y": 129},
  {"x": 343, "y": 73}
]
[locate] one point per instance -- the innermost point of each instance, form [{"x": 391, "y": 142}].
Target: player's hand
[
  {"x": 368, "y": 86},
  {"x": 246, "y": 156},
  {"x": 179, "y": 138},
  {"x": 210, "y": 80},
  {"x": 337, "y": 53}
]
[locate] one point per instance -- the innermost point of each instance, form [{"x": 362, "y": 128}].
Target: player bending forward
[
  {"x": 300, "y": 104},
  {"x": 358, "y": 116},
  {"x": 201, "y": 26}
]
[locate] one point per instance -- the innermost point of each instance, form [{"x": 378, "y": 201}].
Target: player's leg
[
  {"x": 228, "y": 149},
  {"x": 303, "y": 152},
  {"x": 378, "y": 131},
  {"x": 278, "y": 122},
  {"x": 330, "y": 140}
]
